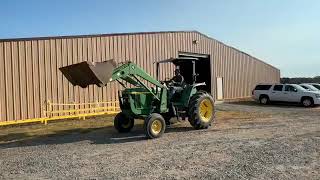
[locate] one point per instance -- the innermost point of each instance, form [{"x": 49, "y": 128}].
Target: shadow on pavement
[{"x": 105, "y": 135}]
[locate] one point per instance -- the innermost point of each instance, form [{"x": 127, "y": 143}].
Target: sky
[{"x": 283, "y": 33}]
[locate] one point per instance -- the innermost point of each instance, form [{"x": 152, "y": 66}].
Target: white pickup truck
[{"x": 293, "y": 93}]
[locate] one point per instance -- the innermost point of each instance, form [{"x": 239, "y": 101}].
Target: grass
[{"x": 29, "y": 131}]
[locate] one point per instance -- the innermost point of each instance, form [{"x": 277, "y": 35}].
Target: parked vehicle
[
  {"x": 316, "y": 85},
  {"x": 309, "y": 87},
  {"x": 293, "y": 93}
]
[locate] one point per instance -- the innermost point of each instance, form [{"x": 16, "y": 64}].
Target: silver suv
[{"x": 293, "y": 93}]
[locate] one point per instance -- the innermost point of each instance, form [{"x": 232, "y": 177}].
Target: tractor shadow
[{"x": 105, "y": 135}]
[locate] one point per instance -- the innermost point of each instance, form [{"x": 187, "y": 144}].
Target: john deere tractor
[{"x": 148, "y": 98}]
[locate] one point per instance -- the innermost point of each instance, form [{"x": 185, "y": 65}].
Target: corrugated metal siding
[{"x": 29, "y": 73}]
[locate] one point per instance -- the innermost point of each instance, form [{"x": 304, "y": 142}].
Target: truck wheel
[
  {"x": 264, "y": 100},
  {"x": 307, "y": 102},
  {"x": 154, "y": 126},
  {"x": 201, "y": 110},
  {"x": 123, "y": 123}
]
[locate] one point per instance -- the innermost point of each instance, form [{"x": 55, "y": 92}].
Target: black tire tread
[
  {"x": 148, "y": 122},
  {"x": 193, "y": 118},
  {"x": 263, "y": 95},
  {"x": 118, "y": 120},
  {"x": 312, "y": 101}
]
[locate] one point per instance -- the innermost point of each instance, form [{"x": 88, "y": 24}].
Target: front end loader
[{"x": 156, "y": 103}]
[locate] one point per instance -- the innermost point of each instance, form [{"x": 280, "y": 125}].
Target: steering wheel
[{"x": 166, "y": 81}]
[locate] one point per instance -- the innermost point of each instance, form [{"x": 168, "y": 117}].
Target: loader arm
[
  {"x": 101, "y": 73},
  {"x": 131, "y": 73}
]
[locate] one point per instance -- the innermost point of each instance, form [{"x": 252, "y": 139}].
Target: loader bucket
[{"x": 86, "y": 73}]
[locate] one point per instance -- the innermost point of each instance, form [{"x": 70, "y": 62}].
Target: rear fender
[{"x": 187, "y": 94}]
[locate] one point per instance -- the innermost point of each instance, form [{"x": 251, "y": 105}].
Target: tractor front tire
[
  {"x": 201, "y": 110},
  {"x": 154, "y": 126},
  {"x": 123, "y": 123}
]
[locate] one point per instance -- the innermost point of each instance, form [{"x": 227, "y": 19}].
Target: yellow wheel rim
[
  {"x": 206, "y": 110},
  {"x": 156, "y": 126}
]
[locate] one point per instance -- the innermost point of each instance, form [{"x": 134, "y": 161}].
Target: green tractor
[{"x": 148, "y": 98}]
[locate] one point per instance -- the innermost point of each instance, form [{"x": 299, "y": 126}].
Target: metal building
[{"x": 29, "y": 74}]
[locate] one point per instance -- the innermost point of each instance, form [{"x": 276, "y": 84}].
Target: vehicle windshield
[
  {"x": 309, "y": 87},
  {"x": 305, "y": 87},
  {"x": 317, "y": 86},
  {"x": 299, "y": 87}
]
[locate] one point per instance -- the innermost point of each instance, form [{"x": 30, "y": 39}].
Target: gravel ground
[{"x": 283, "y": 144}]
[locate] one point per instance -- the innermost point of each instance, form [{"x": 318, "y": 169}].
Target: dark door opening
[{"x": 203, "y": 69}]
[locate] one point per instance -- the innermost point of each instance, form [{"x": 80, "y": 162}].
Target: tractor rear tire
[
  {"x": 201, "y": 110},
  {"x": 154, "y": 126},
  {"x": 123, "y": 123}
]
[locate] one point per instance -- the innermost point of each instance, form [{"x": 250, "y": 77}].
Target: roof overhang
[{"x": 177, "y": 61}]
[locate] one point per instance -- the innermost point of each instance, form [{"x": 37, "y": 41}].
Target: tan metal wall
[{"x": 29, "y": 72}]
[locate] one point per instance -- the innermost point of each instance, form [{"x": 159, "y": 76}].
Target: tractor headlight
[{"x": 317, "y": 95}]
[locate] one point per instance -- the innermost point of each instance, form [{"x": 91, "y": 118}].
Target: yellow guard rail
[{"x": 60, "y": 111}]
